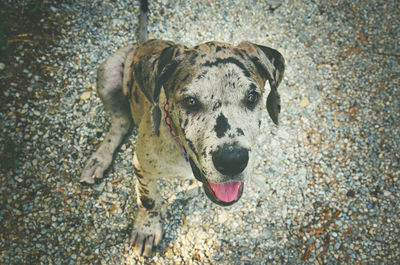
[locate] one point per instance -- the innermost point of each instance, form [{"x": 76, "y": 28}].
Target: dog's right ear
[
  {"x": 165, "y": 67},
  {"x": 275, "y": 77}
]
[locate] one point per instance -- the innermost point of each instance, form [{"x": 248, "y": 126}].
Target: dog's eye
[
  {"x": 190, "y": 102},
  {"x": 252, "y": 97}
]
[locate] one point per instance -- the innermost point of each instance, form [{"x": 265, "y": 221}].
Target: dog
[{"x": 198, "y": 111}]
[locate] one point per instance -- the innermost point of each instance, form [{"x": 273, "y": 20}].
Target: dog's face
[{"x": 215, "y": 93}]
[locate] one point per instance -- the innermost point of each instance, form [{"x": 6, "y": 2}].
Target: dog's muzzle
[{"x": 229, "y": 161}]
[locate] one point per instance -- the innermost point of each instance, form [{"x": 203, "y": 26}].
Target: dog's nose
[{"x": 230, "y": 160}]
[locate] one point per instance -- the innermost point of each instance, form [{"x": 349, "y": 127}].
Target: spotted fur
[{"x": 215, "y": 99}]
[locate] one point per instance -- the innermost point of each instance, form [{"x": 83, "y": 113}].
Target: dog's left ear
[{"x": 270, "y": 64}]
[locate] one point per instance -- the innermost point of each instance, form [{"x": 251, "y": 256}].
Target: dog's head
[{"x": 215, "y": 93}]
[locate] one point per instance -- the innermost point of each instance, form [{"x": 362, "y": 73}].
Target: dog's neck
[{"x": 167, "y": 120}]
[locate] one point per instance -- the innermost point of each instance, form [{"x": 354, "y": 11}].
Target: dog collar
[{"x": 167, "y": 120}]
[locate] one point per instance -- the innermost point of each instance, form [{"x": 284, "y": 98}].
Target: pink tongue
[{"x": 227, "y": 191}]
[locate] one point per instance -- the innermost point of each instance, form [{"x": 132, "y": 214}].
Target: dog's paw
[
  {"x": 95, "y": 168},
  {"x": 146, "y": 233}
]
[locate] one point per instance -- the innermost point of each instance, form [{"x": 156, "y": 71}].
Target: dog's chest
[{"x": 173, "y": 162}]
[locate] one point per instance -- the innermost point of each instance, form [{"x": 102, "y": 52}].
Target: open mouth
[{"x": 223, "y": 194}]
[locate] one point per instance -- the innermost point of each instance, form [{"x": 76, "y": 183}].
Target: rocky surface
[{"x": 325, "y": 190}]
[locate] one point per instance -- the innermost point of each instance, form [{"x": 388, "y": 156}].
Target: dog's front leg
[
  {"x": 109, "y": 88},
  {"x": 147, "y": 229}
]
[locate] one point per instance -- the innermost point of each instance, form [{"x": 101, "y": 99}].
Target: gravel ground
[{"x": 326, "y": 189}]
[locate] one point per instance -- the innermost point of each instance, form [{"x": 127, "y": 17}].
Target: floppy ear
[
  {"x": 270, "y": 64},
  {"x": 164, "y": 62}
]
